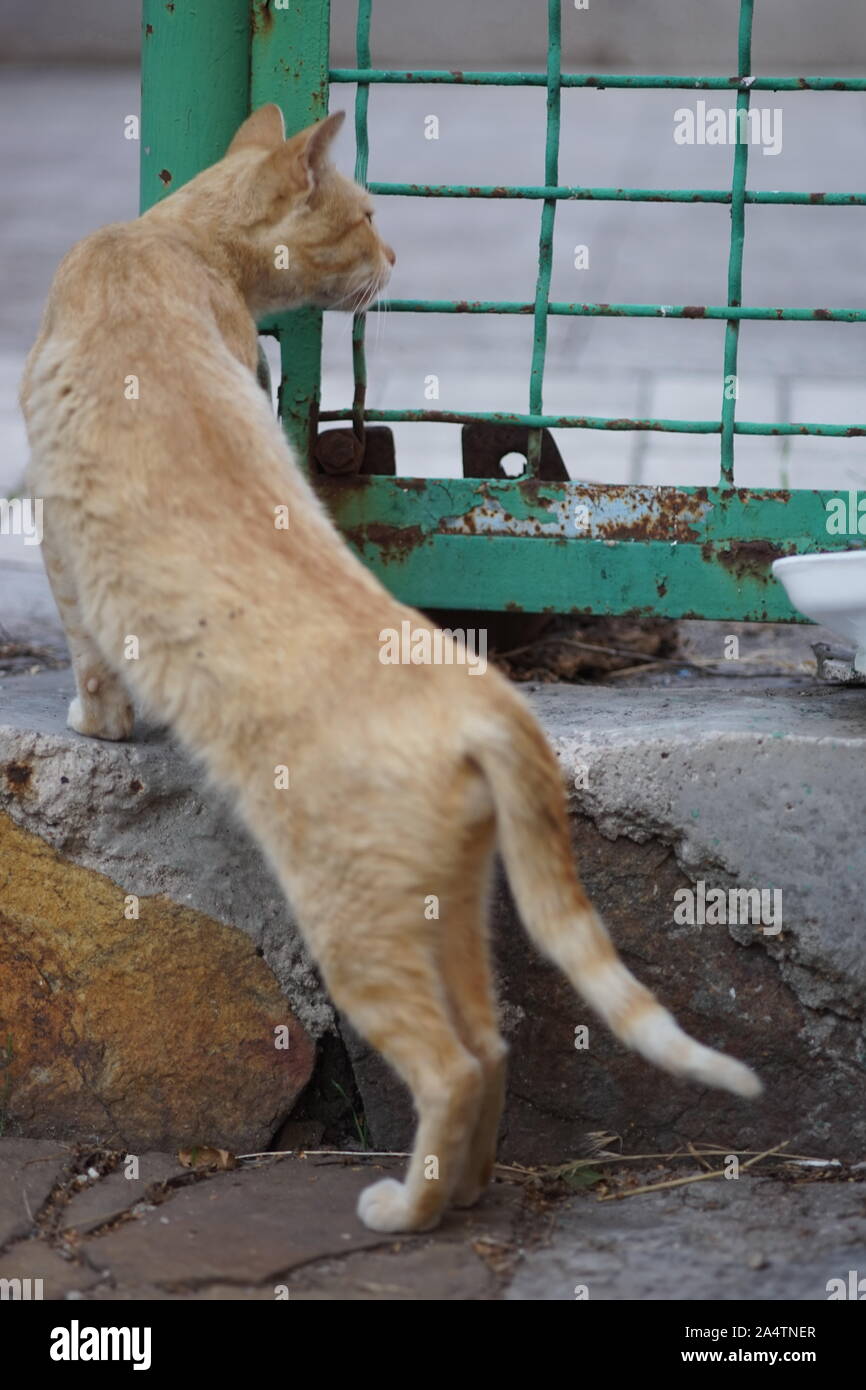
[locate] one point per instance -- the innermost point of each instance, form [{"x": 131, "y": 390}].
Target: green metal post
[
  {"x": 362, "y": 153},
  {"x": 289, "y": 65},
  {"x": 195, "y": 88},
  {"x": 738, "y": 236},
  {"x": 545, "y": 241}
]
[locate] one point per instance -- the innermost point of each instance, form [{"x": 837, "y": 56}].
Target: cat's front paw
[
  {"x": 108, "y": 719},
  {"x": 385, "y": 1207}
]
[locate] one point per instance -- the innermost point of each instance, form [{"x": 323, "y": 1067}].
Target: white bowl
[{"x": 830, "y": 588}]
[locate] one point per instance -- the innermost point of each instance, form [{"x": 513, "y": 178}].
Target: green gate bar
[
  {"x": 600, "y": 81},
  {"x": 362, "y": 151},
  {"x": 611, "y": 195},
  {"x": 735, "y": 255},
  {"x": 702, "y": 552},
  {"x": 288, "y": 62},
  {"x": 545, "y": 241}
]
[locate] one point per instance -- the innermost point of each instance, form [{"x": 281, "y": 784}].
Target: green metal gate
[{"x": 465, "y": 542}]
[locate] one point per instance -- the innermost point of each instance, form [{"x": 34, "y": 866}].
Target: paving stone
[
  {"x": 755, "y": 1239},
  {"x": 243, "y": 1225},
  {"x": 136, "y": 1293},
  {"x": 29, "y": 1169},
  {"x": 433, "y": 1272},
  {"x": 116, "y": 1193},
  {"x": 36, "y": 1260},
  {"x": 291, "y": 1228},
  {"x": 251, "y": 1228}
]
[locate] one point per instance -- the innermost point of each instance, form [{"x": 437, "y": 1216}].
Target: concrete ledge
[{"x": 670, "y": 788}]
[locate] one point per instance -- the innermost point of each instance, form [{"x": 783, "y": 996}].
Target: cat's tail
[{"x": 535, "y": 843}]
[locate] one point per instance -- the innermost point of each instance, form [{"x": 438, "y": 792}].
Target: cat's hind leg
[
  {"x": 473, "y": 1004},
  {"x": 102, "y": 707},
  {"x": 392, "y": 991},
  {"x": 469, "y": 984}
]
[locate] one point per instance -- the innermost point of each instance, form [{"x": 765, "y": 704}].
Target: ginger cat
[{"x": 260, "y": 646}]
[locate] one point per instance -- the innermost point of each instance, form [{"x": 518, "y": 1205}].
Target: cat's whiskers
[
  {"x": 382, "y": 311},
  {"x": 381, "y": 308},
  {"x": 373, "y": 293}
]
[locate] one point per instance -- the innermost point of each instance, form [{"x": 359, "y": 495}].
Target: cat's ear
[
  {"x": 315, "y": 144},
  {"x": 300, "y": 162},
  {"x": 263, "y": 130}
]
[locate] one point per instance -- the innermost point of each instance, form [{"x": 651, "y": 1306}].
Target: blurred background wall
[{"x": 807, "y": 36}]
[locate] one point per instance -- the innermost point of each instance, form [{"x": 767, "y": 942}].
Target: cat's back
[
  {"x": 127, "y": 309},
  {"x": 94, "y": 271},
  {"x": 122, "y": 283}
]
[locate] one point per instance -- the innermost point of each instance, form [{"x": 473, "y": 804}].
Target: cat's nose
[{"x": 390, "y": 253}]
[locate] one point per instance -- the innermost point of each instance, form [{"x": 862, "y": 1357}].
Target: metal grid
[{"x": 680, "y": 551}]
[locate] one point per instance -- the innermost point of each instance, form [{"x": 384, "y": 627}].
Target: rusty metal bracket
[
  {"x": 485, "y": 446},
  {"x": 339, "y": 453}
]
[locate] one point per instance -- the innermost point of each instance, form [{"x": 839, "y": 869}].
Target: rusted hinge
[
  {"x": 485, "y": 446},
  {"x": 339, "y": 453}
]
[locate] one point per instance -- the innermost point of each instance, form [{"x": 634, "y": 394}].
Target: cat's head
[{"x": 301, "y": 232}]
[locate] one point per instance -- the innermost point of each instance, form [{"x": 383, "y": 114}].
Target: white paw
[
  {"x": 383, "y": 1207},
  {"x": 75, "y": 718},
  {"x": 112, "y": 721}
]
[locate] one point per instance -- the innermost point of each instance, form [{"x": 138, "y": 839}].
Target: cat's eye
[{"x": 369, "y": 216}]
